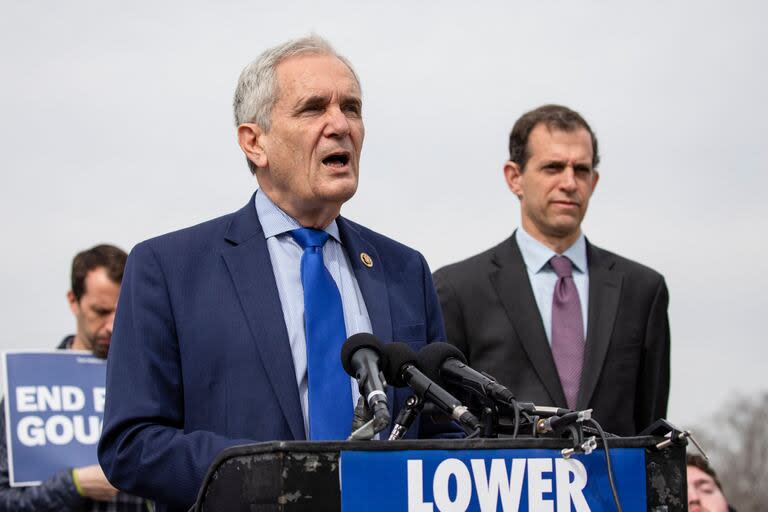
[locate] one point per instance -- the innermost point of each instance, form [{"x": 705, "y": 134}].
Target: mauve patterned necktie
[{"x": 567, "y": 329}]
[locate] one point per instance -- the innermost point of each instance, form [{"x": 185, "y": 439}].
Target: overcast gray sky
[{"x": 116, "y": 126}]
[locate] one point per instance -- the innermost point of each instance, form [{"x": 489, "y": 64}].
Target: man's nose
[
  {"x": 693, "y": 497},
  {"x": 110, "y": 322},
  {"x": 568, "y": 179},
  {"x": 338, "y": 123}
]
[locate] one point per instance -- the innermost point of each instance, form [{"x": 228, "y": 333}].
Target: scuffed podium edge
[{"x": 665, "y": 469}]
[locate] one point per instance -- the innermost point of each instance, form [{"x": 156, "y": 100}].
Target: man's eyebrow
[
  {"x": 315, "y": 100},
  {"x": 352, "y": 98},
  {"x": 556, "y": 162},
  {"x": 703, "y": 481},
  {"x": 553, "y": 162}
]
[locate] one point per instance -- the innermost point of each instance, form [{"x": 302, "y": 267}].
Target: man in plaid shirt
[{"x": 96, "y": 277}]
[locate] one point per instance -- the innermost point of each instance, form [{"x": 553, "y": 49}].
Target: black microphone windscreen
[
  {"x": 432, "y": 357},
  {"x": 356, "y": 342},
  {"x": 397, "y": 354}
]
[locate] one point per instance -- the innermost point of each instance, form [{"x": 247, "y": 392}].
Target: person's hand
[{"x": 93, "y": 483}]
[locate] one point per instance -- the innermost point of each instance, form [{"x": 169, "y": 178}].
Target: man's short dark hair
[
  {"x": 697, "y": 461},
  {"x": 554, "y": 117},
  {"x": 111, "y": 258}
]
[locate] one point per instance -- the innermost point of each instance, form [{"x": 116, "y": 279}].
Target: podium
[{"x": 445, "y": 474}]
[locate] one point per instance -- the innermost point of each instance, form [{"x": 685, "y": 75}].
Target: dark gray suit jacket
[{"x": 491, "y": 315}]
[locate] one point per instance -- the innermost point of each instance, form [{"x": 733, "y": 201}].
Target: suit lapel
[
  {"x": 514, "y": 289},
  {"x": 372, "y": 282},
  {"x": 604, "y": 292},
  {"x": 250, "y": 267}
]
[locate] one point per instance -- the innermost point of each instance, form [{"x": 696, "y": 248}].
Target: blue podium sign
[
  {"x": 507, "y": 480},
  {"x": 53, "y": 412}
]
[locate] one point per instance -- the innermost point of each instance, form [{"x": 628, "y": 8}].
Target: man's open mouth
[{"x": 336, "y": 160}]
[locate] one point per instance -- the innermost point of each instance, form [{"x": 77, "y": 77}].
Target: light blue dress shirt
[
  {"x": 543, "y": 278},
  {"x": 285, "y": 255}
]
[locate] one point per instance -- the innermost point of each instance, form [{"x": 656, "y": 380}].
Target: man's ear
[
  {"x": 73, "y": 304},
  {"x": 250, "y": 136},
  {"x": 512, "y": 175},
  {"x": 595, "y": 180}
]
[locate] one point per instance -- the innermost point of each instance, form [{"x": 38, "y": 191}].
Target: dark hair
[
  {"x": 108, "y": 256},
  {"x": 697, "y": 461},
  {"x": 555, "y": 117}
]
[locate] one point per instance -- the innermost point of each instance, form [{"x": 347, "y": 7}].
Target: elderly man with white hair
[{"x": 229, "y": 332}]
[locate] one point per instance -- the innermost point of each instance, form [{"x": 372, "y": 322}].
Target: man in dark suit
[
  {"x": 553, "y": 317},
  {"x": 216, "y": 337}
]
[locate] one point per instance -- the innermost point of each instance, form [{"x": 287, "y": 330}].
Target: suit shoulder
[
  {"x": 629, "y": 267},
  {"x": 190, "y": 239},
  {"x": 468, "y": 267}
]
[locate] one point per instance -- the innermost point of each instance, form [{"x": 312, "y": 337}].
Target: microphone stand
[{"x": 406, "y": 416}]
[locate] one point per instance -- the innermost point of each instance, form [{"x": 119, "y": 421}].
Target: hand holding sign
[{"x": 93, "y": 483}]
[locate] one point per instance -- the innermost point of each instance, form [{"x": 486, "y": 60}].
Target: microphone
[
  {"x": 401, "y": 371},
  {"x": 362, "y": 357},
  {"x": 442, "y": 362},
  {"x": 446, "y": 364}
]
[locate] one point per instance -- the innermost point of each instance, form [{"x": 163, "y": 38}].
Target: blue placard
[
  {"x": 490, "y": 480},
  {"x": 53, "y": 412}
]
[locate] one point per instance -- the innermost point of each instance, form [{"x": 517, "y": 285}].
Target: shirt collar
[
  {"x": 536, "y": 255},
  {"x": 275, "y": 221}
]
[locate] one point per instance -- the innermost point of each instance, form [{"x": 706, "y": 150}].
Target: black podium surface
[{"x": 297, "y": 476}]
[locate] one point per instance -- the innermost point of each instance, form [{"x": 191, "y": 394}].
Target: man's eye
[{"x": 352, "y": 109}]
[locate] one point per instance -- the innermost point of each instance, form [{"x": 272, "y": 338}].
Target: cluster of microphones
[
  {"x": 438, "y": 366},
  {"x": 430, "y": 373}
]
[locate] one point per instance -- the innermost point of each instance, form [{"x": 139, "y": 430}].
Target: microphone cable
[
  {"x": 608, "y": 464},
  {"x": 516, "y": 410},
  {"x": 474, "y": 434}
]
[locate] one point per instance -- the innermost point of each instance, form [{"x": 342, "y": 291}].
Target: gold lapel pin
[{"x": 366, "y": 259}]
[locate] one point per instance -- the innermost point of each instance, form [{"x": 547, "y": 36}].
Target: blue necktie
[{"x": 330, "y": 392}]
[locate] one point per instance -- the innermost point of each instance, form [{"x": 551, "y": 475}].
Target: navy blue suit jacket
[{"x": 200, "y": 359}]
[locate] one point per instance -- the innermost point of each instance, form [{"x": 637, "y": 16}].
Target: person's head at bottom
[{"x": 705, "y": 494}]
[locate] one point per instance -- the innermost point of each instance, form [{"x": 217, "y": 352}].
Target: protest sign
[{"x": 53, "y": 410}]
